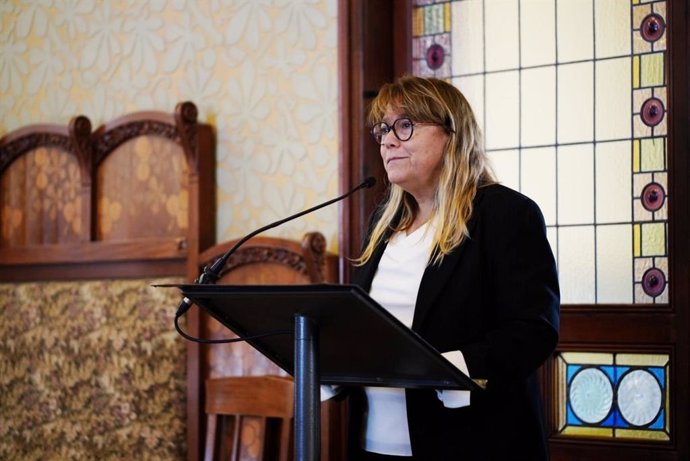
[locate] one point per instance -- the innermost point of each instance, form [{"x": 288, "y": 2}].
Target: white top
[{"x": 395, "y": 287}]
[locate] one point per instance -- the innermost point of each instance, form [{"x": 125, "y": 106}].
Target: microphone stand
[{"x": 210, "y": 274}]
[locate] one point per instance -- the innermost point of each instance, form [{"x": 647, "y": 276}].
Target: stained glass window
[
  {"x": 571, "y": 97},
  {"x": 614, "y": 395}
]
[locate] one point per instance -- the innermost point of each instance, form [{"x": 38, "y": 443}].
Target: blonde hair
[{"x": 465, "y": 164}]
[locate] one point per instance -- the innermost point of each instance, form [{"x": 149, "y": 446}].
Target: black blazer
[{"x": 496, "y": 299}]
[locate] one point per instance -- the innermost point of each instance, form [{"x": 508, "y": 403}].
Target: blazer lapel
[
  {"x": 435, "y": 277},
  {"x": 364, "y": 275}
]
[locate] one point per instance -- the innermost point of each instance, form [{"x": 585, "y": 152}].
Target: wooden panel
[
  {"x": 41, "y": 199},
  {"x": 127, "y": 196},
  {"x": 142, "y": 190}
]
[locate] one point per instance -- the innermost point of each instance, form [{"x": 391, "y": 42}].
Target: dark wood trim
[
  {"x": 372, "y": 35},
  {"x": 678, "y": 72},
  {"x": 589, "y": 449},
  {"x": 93, "y": 270},
  {"x": 624, "y": 326},
  {"x": 345, "y": 147}
]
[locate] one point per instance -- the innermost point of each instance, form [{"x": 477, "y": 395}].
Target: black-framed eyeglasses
[{"x": 402, "y": 129}]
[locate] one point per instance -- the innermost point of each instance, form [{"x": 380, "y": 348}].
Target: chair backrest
[
  {"x": 261, "y": 260},
  {"x": 249, "y": 418}
]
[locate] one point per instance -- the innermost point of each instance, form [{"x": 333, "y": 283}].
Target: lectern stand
[{"x": 328, "y": 334}]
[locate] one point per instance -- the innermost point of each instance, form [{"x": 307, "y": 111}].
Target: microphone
[{"x": 211, "y": 274}]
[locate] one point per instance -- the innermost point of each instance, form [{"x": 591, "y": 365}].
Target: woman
[{"x": 465, "y": 263}]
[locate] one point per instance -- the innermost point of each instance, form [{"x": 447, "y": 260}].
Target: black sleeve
[{"x": 524, "y": 293}]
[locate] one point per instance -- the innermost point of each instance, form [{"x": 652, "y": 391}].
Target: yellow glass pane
[
  {"x": 652, "y": 155},
  {"x": 647, "y": 360},
  {"x": 446, "y": 16},
  {"x": 636, "y": 72},
  {"x": 588, "y": 431},
  {"x": 636, "y": 155},
  {"x": 641, "y": 434},
  {"x": 653, "y": 239},
  {"x": 561, "y": 392},
  {"x": 417, "y": 22},
  {"x": 588, "y": 358},
  {"x": 636, "y": 241},
  {"x": 652, "y": 69}
]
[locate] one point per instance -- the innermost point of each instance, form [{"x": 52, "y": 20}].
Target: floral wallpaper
[
  {"x": 91, "y": 370},
  {"x": 263, "y": 72}
]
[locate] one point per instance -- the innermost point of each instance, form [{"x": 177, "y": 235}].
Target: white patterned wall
[{"x": 264, "y": 72}]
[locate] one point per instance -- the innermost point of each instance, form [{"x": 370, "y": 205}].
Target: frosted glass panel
[
  {"x": 552, "y": 236},
  {"x": 501, "y": 19},
  {"x": 576, "y": 184},
  {"x": 612, "y": 28},
  {"x": 613, "y": 99},
  {"x": 468, "y": 37},
  {"x": 614, "y": 265},
  {"x": 571, "y": 98},
  {"x": 575, "y": 102},
  {"x": 613, "y": 183},
  {"x": 576, "y": 264},
  {"x": 502, "y": 110},
  {"x": 473, "y": 89},
  {"x": 506, "y": 165},
  {"x": 538, "y": 179},
  {"x": 538, "y": 106},
  {"x": 537, "y": 32},
  {"x": 575, "y": 37}
]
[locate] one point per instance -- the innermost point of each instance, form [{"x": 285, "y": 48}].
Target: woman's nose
[{"x": 389, "y": 138}]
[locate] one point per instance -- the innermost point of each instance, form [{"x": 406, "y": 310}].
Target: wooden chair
[
  {"x": 249, "y": 418},
  {"x": 261, "y": 260}
]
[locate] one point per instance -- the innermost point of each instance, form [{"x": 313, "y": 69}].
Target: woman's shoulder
[
  {"x": 496, "y": 194},
  {"x": 499, "y": 202}
]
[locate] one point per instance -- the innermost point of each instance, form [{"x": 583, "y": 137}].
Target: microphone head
[{"x": 369, "y": 182}]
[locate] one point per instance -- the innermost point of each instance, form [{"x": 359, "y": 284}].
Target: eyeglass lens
[{"x": 402, "y": 129}]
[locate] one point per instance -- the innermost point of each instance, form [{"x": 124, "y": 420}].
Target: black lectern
[{"x": 330, "y": 334}]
